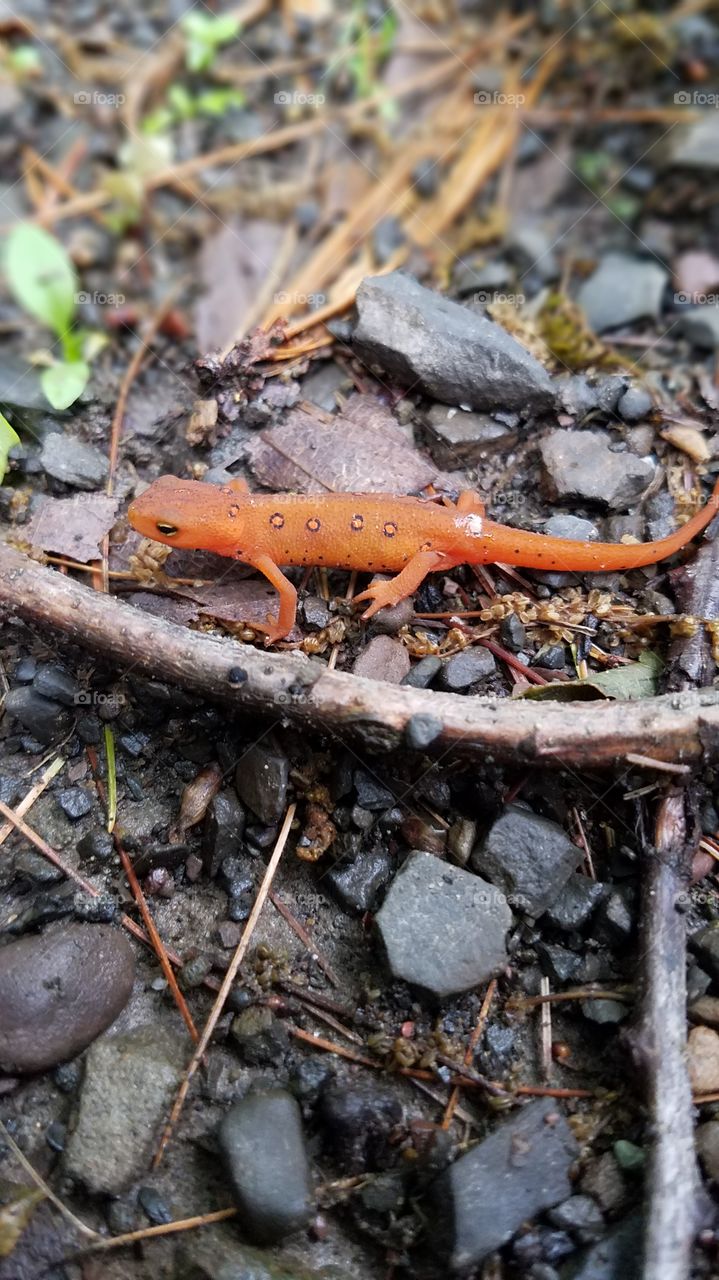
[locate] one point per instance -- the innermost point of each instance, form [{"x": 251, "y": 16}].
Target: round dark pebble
[
  {"x": 311, "y": 1077},
  {"x": 512, "y": 633},
  {"x": 56, "y": 683},
  {"x": 358, "y": 1121},
  {"x": 237, "y": 675},
  {"x": 55, "y": 1136},
  {"x": 239, "y": 907},
  {"x": 25, "y": 670},
  {"x": 153, "y": 1206},
  {"x": 101, "y": 910},
  {"x": 75, "y": 802},
  {"x": 97, "y": 844},
  {"x": 423, "y": 672},
  {"x": 59, "y": 991},
  {"x": 67, "y": 1076}
]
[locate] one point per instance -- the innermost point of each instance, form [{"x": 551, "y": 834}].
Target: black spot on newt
[
  {"x": 389, "y": 528},
  {"x": 357, "y": 523},
  {"x": 277, "y": 520},
  {"x": 314, "y": 524},
  {"x": 233, "y": 511}
]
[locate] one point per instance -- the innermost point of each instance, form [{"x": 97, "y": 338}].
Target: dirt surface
[{"x": 326, "y": 248}]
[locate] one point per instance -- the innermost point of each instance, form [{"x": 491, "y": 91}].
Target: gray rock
[
  {"x": 580, "y": 1216},
  {"x": 609, "y": 389},
  {"x": 223, "y": 1257},
  {"x": 617, "y": 1255},
  {"x": 695, "y": 146},
  {"x": 635, "y": 404},
  {"x": 562, "y": 525},
  {"x": 58, "y": 991},
  {"x": 465, "y": 668},
  {"x": 621, "y": 290},
  {"x": 615, "y": 921},
  {"x": 321, "y": 385},
  {"x": 263, "y": 1148},
  {"x": 262, "y": 1039},
  {"x": 603, "y": 1011},
  {"x": 316, "y": 612},
  {"x": 557, "y": 962},
  {"x": 222, "y": 832},
  {"x": 575, "y": 903},
  {"x": 529, "y": 857},
  {"x": 522, "y": 1169},
  {"x": 442, "y": 928},
  {"x": 421, "y": 731},
  {"x": 393, "y": 617},
  {"x": 79, "y": 465},
  {"x": 457, "y": 438},
  {"x": 356, "y": 884},
  {"x": 384, "y": 658},
  {"x": 130, "y": 1080},
  {"x": 701, "y": 325},
  {"x": 20, "y": 385},
  {"x": 513, "y": 633},
  {"x": 448, "y": 351},
  {"x": 581, "y": 466},
  {"x": 707, "y": 1142},
  {"x": 44, "y": 719},
  {"x": 532, "y": 245},
  {"x": 261, "y": 779},
  {"x": 577, "y": 395},
  {"x": 75, "y": 802},
  {"x": 705, "y": 944},
  {"x": 421, "y": 675}
]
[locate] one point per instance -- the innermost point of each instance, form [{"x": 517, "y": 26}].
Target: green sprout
[
  {"x": 8, "y": 438},
  {"x": 205, "y": 34},
  {"x": 43, "y": 281},
  {"x": 182, "y": 105}
]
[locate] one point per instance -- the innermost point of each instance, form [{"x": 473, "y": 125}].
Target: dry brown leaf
[{"x": 73, "y": 527}]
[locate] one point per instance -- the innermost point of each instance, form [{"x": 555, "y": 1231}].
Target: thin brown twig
[
  {"x": 23, "y": 806},
  {"x": 470, "y": 1049},
  {"x": 22, "y": 1160},
  {"x": 227, "y": 982},
  {"x": 304, "y": 937}
]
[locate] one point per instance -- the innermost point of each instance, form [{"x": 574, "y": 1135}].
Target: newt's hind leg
[
  {"x": 276, "y": 629},
  {"x": 470, "y": 502},
  {"x": 405, "y": 583}
]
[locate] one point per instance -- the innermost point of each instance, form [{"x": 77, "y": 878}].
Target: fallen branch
[
  {"x": 658, "y": 1045},
  {"x": 680, "y": 726}
]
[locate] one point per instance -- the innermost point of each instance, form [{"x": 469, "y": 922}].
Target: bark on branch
[{"x": 680, "y": 726}]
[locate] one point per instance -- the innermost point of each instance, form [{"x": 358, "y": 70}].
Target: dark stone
[
  {"x": 387, "y": 236},
  {"x": 263, "y": 1148},
  {"x": 34, "y": 867},
  {"x": 222, "y": 832},
  {"x": 261, "y": 1038},
  {"x": 24, "y": 671},
  {"x": 575, "y": 904},
  {"x": 261, "y": 780},
  {"x": 59, "y": 991},
  {"x": 97, "y": 844},
  {"x": 311, "y": 1078},
  {"x": 615, "y": 921},
  {"x": 55, "y": 683},
  {"x": 370, "y": 792},
  {"x": 513, "y": 633},
  {"x": 357, "y": 884},
  {"x": 384, "y": 658},
  {"x": 44, "y": 719},
  {"x": 81, "y": 466},
  {"x": 456, "y": 355},
  {"x": 423, "y": 672},
  {"x": 153, "y": 1206},
  {"x": 443, "y": 929},
  {"x": 359, "y": 1118},
  {"x": 617, "y": 1255},
  {"x": 457, "y": 438},
  {"x": 75, "y": 802},
  {"x": 519, "y": 1171},
  {"x": 465, "y": 668},
  {"x": 558, "y": 963},
  {"x": 604, "y": 1011},
  {"x": 529, "y": 857},
  {"x": 316, "y": 613}
]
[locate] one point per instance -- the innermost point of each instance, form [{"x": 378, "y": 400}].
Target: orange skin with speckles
[{"x": 378, "y": 532}]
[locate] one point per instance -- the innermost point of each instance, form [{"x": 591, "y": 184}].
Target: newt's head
[{"x": 186, "y": 513}]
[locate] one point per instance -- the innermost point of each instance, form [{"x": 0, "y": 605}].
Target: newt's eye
[{"x": 167, "y": 529}]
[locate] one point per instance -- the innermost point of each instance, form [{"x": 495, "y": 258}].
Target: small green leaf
[
  {"x": 63, "y": 382},
  {"x": 8, "y": 438},
  {"x": 635, "y": 680},
  {"x": 204, "y": 35},
  {"x": 41, "y": 276}
]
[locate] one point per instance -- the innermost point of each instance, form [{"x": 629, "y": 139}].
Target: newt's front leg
[
  {"x": 406, "y": 582},
  {"x": 281, "y": 627}
]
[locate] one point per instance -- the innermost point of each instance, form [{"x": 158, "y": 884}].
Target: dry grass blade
[
  {"x": 36, "y": 790},
  {"x": 227, "y": 981},
  {"x": 67, "y": 1214}
]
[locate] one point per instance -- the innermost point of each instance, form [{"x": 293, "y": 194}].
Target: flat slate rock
[
  {"x": 449, "y": 352},
  {"x": 622, "y": 290},
  {"x": 74, "y": 463},
  {"x": 529, "y": 857},
  {"x": 580, "y": 465},
  {"x": 58, "y": 991},
  {"x": 263, "y": 1148},
  {"x": 443, "y": 929},
  {"x": 261, "y": 780},
  {"x": 482, "y": 1199},
  {"x": 130, "y": 1081}
]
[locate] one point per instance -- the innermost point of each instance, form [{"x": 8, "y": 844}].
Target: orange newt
[{"x": 379, "y": 532}]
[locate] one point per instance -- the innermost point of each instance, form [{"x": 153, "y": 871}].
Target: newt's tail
[{"x": 538, "y": 551}]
